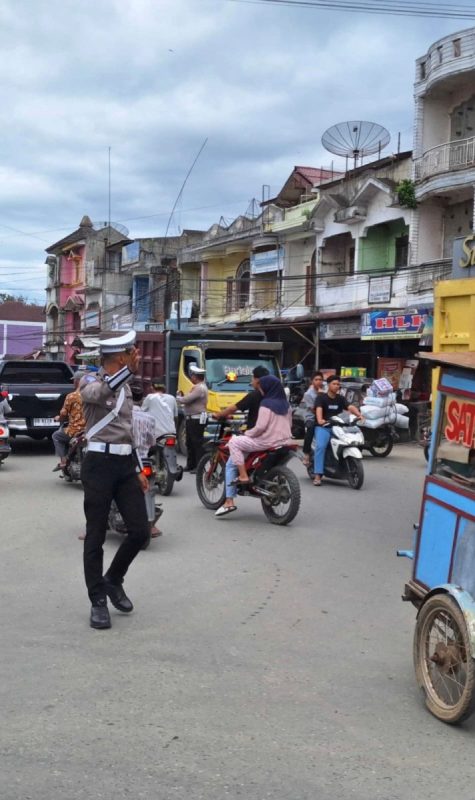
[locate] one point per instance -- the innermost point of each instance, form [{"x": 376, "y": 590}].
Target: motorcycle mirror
[{"x": 295, "y": 373}]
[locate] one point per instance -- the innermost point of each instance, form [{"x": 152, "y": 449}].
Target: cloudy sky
[{"x": 152, "y": 79}]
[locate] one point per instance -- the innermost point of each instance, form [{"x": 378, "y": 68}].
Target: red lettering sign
[{"x": 460, "y": 427}]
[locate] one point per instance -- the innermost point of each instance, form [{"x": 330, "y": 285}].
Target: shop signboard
[
  {"x": 340, "y": 328},
  {"x": 463, "y": 259},
  {"x": 267, "y": 261},
  {"x": 379, "y": 289},
  {"x": 394, "y": 324}
]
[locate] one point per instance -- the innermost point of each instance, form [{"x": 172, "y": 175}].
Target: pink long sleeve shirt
[{"x": 270, "y": 430}]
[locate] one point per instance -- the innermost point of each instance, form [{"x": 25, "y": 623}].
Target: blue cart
[{"x": 442, "y": 586}]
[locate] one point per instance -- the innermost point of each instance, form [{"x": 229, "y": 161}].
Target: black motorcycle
[
  {"x": 74, "y": 458},
  {"x": 166, "y": 467},
  {"x": 379, "y": 441}
]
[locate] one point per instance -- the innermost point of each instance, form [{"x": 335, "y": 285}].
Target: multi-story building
[
  {"x": 87, "y": 291},
  {"x": 444, "y": 146}
]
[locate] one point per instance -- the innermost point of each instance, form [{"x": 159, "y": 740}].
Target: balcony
[
  {"x": 446, "y": 158},
  {"x": 406, "y": 286}
]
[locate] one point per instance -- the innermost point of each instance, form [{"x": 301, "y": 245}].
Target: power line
[{"x": 417, "y": 9}]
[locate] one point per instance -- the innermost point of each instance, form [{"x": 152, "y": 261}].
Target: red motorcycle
[{"x": 272, "y": 482}]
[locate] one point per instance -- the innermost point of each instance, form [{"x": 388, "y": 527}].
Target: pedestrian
[
  {"x": 195, "y": 403},
  {"x": 272, "y": 429},
  {"x": 112, "y": 470},
  {"x": 316, "y": 386},
  {"x": 328, "y": 404},
  {"x": 71, "y": 411},
  {"x": 163, "y": 408},
  {"x": 250, "y": 402}
]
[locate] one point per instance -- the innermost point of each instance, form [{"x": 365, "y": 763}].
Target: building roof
[{"x": 15, "y": 311}]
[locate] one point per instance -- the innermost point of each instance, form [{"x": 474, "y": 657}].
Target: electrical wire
[{"x": 408, "y": 9}]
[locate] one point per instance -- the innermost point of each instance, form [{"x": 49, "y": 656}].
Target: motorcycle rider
[
  {"x": 316, "y": 386},
  {"x": 273, "y": 428},
  {"x": 144, "y": 430},
  {"x": 328, "y": 404},
  {"x": 163, "y": 407},
  {"x": 5, "y": 407},
  {"x": 250, "y": 402},
  {"x": 72, "y": 411}
]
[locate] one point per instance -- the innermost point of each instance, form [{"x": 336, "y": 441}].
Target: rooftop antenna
[
  {"x": 356, "y": 139},
  {"x": 181, "y": 191}
]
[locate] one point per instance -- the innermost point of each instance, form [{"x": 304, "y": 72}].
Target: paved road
[{"x": 260, "y": 662}]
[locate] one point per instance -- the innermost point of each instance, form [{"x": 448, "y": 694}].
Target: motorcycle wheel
[
  {"x": 355, "y": 476},
  {"x": 181, "y": 439},
  {"x": 382, "y": 446},
  {"x": 210, "y": 482},
  {"x": 287, "y": 487},
  {"x": 165, "y": 479}
]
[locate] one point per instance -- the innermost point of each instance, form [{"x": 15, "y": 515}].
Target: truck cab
[{"x": 229, "y": 365}]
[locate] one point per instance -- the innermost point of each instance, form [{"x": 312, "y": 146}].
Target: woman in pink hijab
[{"x": 272, "y": 429}]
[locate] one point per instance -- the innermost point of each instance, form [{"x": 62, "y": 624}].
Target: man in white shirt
[{"x": 163, "y": 407}]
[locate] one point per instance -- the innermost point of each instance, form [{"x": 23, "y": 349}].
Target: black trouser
[
  {"x": 308, "y": 438},
  {"x": 106, "y": 478},
  {"x": 195, "y": 432}
]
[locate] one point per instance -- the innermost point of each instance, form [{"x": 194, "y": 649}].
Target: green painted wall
[{"x": 377, "y": 250}]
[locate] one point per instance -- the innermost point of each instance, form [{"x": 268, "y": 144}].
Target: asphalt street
[{"x": 260, "y": 662}]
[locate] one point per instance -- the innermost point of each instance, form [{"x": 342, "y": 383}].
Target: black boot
[{"x": 100, "y": 615}]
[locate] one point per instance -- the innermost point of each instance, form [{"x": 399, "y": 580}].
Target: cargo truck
[
  {"x": 454, "y": 318},
  {"x": 228, "y": 356}
]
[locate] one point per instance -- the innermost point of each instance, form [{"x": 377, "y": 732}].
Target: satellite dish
[{"x": 355, "y": 139}]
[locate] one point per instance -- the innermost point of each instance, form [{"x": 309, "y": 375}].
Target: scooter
[
  {"x": 5, "y": 448},
  {"x": 115, "y": 522},
  {"x": 343, "y": 456},
  {"x": 167, "y": 469}
]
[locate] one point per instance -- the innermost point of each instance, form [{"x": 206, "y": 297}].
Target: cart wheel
[{"x": 444, "y": 667}]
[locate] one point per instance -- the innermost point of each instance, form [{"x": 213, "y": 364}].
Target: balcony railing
[{"x": 448, "y": 157}]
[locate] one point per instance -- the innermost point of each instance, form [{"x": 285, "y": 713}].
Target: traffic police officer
[
  {"x": 112, "y": 469},
  {"x": 195, "y": 403}
]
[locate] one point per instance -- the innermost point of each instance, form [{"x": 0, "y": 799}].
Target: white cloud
[{"x": 152, "y": 79}]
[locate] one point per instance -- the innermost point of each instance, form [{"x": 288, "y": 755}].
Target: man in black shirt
[
  {"x": 250, "y": 402},
  {"x": 328, "y": 405}
]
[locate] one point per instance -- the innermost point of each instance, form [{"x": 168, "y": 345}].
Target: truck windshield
[{"x": 241, "y": 364}]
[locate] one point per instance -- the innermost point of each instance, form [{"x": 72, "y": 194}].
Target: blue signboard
[{"x": 394, "y": 324}]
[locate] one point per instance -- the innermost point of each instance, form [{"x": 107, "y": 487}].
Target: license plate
[{"x": 45, "y": 422}]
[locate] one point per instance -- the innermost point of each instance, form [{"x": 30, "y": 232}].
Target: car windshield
[
  {"x": 36, "y": 373},
  {"x": 239, "y": 366}
]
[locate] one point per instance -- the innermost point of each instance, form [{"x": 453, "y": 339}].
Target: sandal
[
  {"x": 155, "y": 532},
  {"x": 306, "y": 460},
  {"x": 317, "y": 481},
  {"x": 221, "y": 512}
]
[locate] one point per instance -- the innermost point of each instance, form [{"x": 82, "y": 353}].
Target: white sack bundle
[
  {"x": 402, "y": 421},
  {"x": 401, "y": 409},
  {"x": 381, "y": 402},
  {"x": 388, "y": 414},
  {"x": 373, "y": 423}
]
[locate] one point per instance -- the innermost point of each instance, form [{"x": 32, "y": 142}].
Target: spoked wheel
[
  {"x": 444, "y": 666},
  {"x": 382, "y": 446},
  {"x": 355, "y": 472},
  {"x": 210, "y": 483},
  {"x": 284, "y": 503}
]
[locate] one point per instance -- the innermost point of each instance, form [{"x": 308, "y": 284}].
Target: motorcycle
[
  {"x": 343, "y": 456},
  {"x": 167, "y": 469},
  {"x": 74, "y": 458},
  {"x": 5, "y": 448},
  {"x": 115, "y": 522},
  {"x": 272, "y": 482},
  {"x": 379, "y": 441}
]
